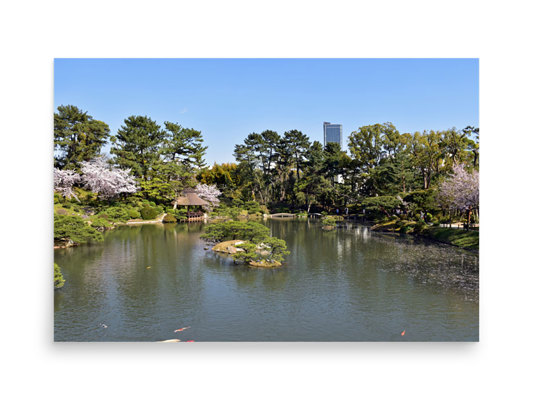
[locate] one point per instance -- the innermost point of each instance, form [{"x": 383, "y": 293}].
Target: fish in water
[
  {"x": 403, "y": 333},
  {"x": 181, "y": 329},
  {"x": 103, "y": 325}
]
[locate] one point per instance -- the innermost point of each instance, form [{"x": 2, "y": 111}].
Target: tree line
[{"x": 382, "y": 171}]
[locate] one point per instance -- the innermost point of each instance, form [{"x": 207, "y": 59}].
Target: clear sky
[{"x": 227, "y": 99}]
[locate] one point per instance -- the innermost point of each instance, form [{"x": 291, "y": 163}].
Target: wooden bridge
[{"x": 282, "y": 215}]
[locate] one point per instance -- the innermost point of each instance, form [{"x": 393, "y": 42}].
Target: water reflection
[{"x": 146, "y": 281}]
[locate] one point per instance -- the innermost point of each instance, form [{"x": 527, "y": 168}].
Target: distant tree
[
  {"x": 472, "y": 141},
  {"x": 137, "y": 145},
  {"x": 109, "y": 182},
  {"x": 77, "y": 137},
  {"x": 460, "y": 192},
  {"x": 64, "y": 181},
  {"x": 183, "y": 146},
  {"x": 297, "y": 145},
  {"x": 209, "y": 193}
]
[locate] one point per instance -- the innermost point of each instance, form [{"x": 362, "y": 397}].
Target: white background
[{"x": 34, "y": 32}]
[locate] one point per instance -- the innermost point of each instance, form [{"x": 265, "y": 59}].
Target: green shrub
[
  {"x": 75, "y": 229},
  {"x": 252, "y": 207},
  {"x": 119, "y": 214},
  {"x": 169, "y": 218},
  {"x": 100, "y": 223},
  {"x": 271, "y": 250},
  {"x": 134, "y": 213},
  {"x": 148, "y": 212},
  {"x": 59, "y": 281},
  {"x": 329, "y": 221}
]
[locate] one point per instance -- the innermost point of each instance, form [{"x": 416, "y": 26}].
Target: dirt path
[{"x": 158, "y": 220}]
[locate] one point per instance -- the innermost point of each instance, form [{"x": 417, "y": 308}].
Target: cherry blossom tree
[
  {"x": 64, "y": 180},
  {"x": 460, "y": 192},
  {"x": 101, "y": 177},
  {"x": 209, "y": 193}
]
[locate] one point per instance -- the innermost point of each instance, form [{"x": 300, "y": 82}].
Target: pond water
[{"x": 345, "y": 285}]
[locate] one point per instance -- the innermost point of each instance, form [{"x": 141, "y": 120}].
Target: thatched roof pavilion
[{"x": 189, "y": 198}]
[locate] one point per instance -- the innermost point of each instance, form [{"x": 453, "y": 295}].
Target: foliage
[
  {"x": 109, "y": 182},
  {"x": 134, "y": 213},
  {"x": 100, "y": 223},
  {"x": 75, "y": 229},
  {"x": 116, "y": 213},
  {"x": 328, "y": 221},
  {"x": 169, "y": 218},
  {"x": 59, "y": 281},
  {"x": 183, "y": 146},
  {"x": 232, "y": 230},
  {"x": 271, "y": 250},
  {"x": 136, "y": 145},
  {"x": 148, "y": 212},
  {"x": 384, "y": 204},
  {"x": 77, "y": 137},
  {"x": 157, "y": 190}
]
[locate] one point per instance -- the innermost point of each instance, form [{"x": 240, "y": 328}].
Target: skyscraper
[{"x": 332, "y": 133}]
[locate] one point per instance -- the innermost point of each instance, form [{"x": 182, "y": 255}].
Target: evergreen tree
[
  {"x": 184, "y": 146},
  {"x": 77, "y": 137},
  {"x": 137, "y": 145}
]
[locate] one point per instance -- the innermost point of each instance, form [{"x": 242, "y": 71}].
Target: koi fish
[
  {"x": 189, "y": 341},
  {"x": 403, "y": 333},
  {"x": 181, "y": 329}
]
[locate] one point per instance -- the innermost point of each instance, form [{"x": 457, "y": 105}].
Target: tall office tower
[{"x": 332, "y": 133}]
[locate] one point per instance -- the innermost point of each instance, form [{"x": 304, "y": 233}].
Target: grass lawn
[{"x": 459, "y": 237}]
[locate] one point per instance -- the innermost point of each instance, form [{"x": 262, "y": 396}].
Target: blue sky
[{"x": 227, "y": 99}]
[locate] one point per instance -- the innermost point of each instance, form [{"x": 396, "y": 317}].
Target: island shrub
[
  {"x": 233, "y": 230},
  {"x": 169, "y": 218},
  {"x": 59, "y": 281},
  {"x": 329, "y": 220},
  {"x": 269, "y": 252},
  {"x": 71, "y": 228}
]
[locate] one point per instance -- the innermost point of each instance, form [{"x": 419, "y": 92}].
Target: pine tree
[
  {"x": 77, "y": 137},
  {"x": 137, "y": 145}
]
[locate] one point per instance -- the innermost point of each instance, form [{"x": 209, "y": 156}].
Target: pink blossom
[
  {"x": 209, "y": 193},
  {"x": 460, "y": 191},
  {"x": 64, "y": 180},
  {"x": 101, "y": 177}
]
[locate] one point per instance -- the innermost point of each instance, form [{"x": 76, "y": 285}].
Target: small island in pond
[{"x": 249, "y": 242}]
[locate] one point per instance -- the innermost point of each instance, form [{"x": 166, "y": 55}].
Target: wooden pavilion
[{"x": 189, "y": 198}]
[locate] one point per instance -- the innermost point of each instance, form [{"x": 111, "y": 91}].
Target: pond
[{"x": 144, "y": 282}]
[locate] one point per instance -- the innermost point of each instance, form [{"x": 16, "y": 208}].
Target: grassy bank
[{"x": 468, "y": 240}]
